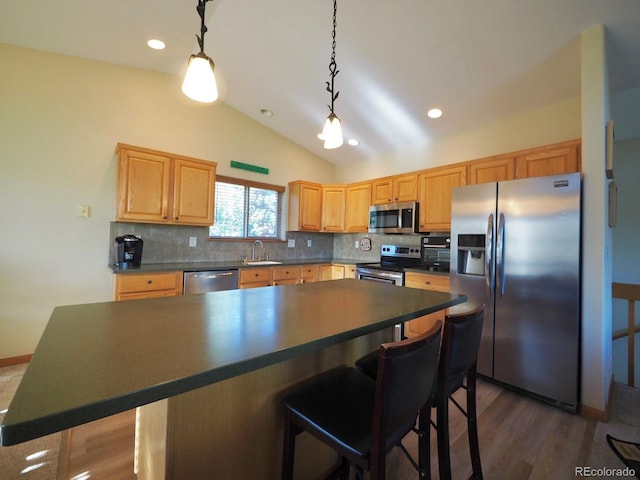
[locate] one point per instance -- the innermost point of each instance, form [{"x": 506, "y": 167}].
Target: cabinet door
[
  {"x": 358, "y": 201},
  {"x": 305, "y": 206},
  {"x": 309, "y": 273},
  {"x": 381, "y": 191},
  {"x": 325, "y": 272},
  {"x": 553, "y": 160},
  {"x": 333, "y": 208},
  {"x": 143, "y": 186},
  {"x": 492, "y": 170},
  {"x": 434, "y": 196},
  {"x": 405, "y": 188},
  {"x": 437, "y": 283},
  {"x": 193, "y": 202}
]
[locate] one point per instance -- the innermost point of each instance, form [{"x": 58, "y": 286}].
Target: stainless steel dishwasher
[{"x": 210, "y": 281}]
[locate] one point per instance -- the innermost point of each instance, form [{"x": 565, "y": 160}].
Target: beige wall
[
  {"x": 60, "y": 120},
  {"x": 546, "y": 125}
]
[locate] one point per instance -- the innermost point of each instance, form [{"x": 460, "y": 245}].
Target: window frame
[{"x": 253, "y": 184}]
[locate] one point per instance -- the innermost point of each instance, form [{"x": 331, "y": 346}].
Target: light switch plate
[
  {"x": 291, "y": 243},
  {"x": 83, "y": 211},
  {"x": 309, "y": 243},
  {"x": 193, "y": 241}
]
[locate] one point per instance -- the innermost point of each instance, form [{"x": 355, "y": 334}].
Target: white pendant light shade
[
  {"x": 200, "y": 82},
  {"x": 332, "y": 132}
]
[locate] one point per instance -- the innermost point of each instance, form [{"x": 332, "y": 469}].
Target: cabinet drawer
[
  {"x": 438, "y": 283},
  {"x": 130, "y": 283},
  {"x": 286, "y": 273},
  {"x": 249, "y": 275}
]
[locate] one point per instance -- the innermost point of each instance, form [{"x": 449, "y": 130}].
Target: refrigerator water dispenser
[{"x": 471, "y": 254}]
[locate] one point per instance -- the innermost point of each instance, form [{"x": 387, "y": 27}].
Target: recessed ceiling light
[
  {"x": 434, "y": 113},
  {"x": 156, "y": 44},
  {"x": 266, "y": 112},
  {"x": 353, "y": 142}
]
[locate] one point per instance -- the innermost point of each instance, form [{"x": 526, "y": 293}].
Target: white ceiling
[{"x": 479, "y": 60}]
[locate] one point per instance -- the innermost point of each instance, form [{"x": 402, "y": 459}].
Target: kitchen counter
[
  {"x": 99, "y": 359},
  {"x": 224, "y": 265}
]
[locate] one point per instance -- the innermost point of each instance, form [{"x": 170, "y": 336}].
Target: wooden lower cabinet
[
  {"x": 133, "y": 286},
  {"x": 286, "y": 275},
  {"x": 254, "y": 277},
  {"x": 336, "y": 271},
  {"x": 309, "y": 273},
  {"x": 425, "y": 281}
]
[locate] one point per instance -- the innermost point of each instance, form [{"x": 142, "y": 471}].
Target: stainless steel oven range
[{"x": 393, "y": 260}]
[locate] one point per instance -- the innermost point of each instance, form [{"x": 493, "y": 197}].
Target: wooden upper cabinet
[
  {"x": 434, "y": 196},
  {"x": 160, "y": 187},
  {"x": 552, "y": 160},
  {"x": 358, "y": 201},
  {"x": 405, "y": 188},
  {"x": 194, "y": 187},
  {"x": 305, "y": 206},
  {"x": 495, "y": 169},
  {"x": 333, "y": 208},
  {"x": 143, "y": 185},
  {"x": 399, "y": 188}
]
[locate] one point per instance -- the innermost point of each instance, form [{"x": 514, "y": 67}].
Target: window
[{"x": 246, "y": 209}]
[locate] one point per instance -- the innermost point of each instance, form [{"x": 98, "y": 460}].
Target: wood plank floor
[{"x": 520, "y": 438}]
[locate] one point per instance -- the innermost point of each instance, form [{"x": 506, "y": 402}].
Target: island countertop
[{"x": 99, "y": 359}]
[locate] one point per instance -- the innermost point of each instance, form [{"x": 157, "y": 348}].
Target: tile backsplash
[{"x": 170, "y": 243}]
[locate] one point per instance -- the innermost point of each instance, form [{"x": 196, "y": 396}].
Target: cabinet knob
[
  {"x": 149, "y": 282},
  {"x": 427, "y": 282},
  {"x": 177, "y": 218}
]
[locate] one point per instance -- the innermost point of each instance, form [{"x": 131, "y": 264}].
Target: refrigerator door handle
[
  {"x": 500, "y": 255},
  {"x": 490, "y": 277}
]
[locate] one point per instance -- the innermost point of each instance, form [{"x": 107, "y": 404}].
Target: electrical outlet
[
  {"x": 309, "y": 243},
  {"x": 193, "y": 241},
  {"x": 291, "y": 243},
  {"x": 356, "y": 244}
]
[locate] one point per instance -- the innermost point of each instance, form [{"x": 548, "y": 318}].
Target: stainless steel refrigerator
[{"x": 515, "y": 246}]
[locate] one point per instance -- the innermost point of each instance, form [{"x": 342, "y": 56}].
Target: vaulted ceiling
[{"x": 478, "y": 60}]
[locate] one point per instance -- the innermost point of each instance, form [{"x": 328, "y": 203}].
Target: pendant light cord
[
  {"x": 333, "y": 67},
  {"x": 203, "y": 28}
]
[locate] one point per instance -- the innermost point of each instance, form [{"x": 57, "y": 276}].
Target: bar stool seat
[{"x": 360, "y": 418}]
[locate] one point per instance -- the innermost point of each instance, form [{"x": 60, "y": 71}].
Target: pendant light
[
  {"x": 200, "y": 82},
  {"x": 332, "y": 130}
]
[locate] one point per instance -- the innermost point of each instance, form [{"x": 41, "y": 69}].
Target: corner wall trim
[{"x": 7, "y": 362}]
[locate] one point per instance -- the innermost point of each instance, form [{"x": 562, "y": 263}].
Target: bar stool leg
[
  {"x": 472, "y": 428},
  {"x": 442, "y": 419},
  {"x": 424, "y": 442},
  {"x": 291, "y": 430}
]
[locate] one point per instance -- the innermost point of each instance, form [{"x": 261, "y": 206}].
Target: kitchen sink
[{"x": 262, "y": 262}]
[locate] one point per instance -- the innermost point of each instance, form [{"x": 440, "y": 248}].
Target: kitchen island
[{"x": 207, "y": 370}]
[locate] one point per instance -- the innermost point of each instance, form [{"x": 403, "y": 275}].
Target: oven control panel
[{"x": 406, "y": 251}]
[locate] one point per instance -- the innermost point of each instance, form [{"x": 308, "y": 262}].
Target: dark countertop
[
  {"x": 224, "y": 265},
  {"x": 100, "y": 359}
]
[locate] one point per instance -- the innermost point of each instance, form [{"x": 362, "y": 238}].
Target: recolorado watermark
[{"x": 604, "y": 472}]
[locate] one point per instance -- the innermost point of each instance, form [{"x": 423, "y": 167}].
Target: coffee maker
[{"x": 128, "y": 250}]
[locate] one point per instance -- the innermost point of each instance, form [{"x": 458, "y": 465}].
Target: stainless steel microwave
[{"x": 394, "y": 218}]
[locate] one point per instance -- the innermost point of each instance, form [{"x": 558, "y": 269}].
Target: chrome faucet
[{"x": 253, "y": 253}]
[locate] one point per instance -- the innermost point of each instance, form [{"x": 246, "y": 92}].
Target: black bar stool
[
  {"x": 360, "y": 418},
  {"x": 458, "y": 357}
]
